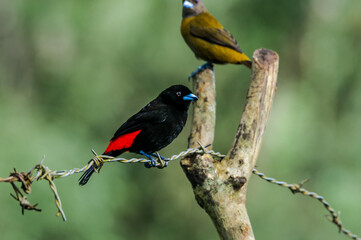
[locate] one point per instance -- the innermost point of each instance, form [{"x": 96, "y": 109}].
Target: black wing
[{"x": 154, "y": 112}]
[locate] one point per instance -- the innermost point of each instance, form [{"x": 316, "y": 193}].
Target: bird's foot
[
  {"x": 152, "y": 163},
  {"x": 207, "y": 65}
]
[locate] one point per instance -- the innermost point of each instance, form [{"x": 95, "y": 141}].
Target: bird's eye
[{"x": 179, "y": 94}]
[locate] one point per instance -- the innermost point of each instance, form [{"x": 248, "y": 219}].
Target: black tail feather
[{"x": 86, "y": 175}]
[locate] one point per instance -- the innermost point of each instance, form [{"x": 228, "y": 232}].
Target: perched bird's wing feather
[
  {"x": 152, "y": 114},
  {"x": 216, "y": 36}
]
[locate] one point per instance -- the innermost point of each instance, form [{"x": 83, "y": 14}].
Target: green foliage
[{"x": 72, "y": 71}]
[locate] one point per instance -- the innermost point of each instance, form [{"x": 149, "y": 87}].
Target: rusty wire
[
  {"x": 26, "y": 179},
  {"x": 43, "y": 172}
]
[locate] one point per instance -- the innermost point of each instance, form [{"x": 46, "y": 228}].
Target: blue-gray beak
[
  {"x": 190, "y": 97},
  {"x": 187, "y": 4}
]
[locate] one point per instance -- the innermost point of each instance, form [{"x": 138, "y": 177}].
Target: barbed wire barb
[
  {"x": 46, "y": 174},
  {"x": 24, "y": 203}
]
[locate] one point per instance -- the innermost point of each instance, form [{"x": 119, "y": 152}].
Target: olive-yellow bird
[{"x": 207, "y": 38}]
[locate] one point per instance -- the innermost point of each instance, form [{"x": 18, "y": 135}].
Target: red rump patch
[{"x": 122, "y": 142}]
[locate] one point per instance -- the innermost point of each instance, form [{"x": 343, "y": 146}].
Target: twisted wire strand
[
  {"x": 43, "y": 172},
  {"x": 57, "y": 198},
  {"x": 99, "y": 159},
  {"x": 297, "y": 188}
]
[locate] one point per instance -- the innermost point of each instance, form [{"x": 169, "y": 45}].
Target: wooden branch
[
  {"x": 220, "y": 186},
  {"x": 204, "y": 111}
]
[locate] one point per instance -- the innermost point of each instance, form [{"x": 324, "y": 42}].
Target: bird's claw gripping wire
[
  {"x": 207, "y": 65},
  {"x": 158, "y": 161},
  {"x": 152, "y": 163}
]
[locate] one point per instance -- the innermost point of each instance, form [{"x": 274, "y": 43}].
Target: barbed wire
[
  {"x": 43, "y": 172},
  {"x": 298, "y": 188}
]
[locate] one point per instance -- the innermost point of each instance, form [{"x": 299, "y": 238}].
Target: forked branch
[{"x": 220, "y": 186}]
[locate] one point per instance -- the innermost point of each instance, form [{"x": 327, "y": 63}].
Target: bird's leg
[
  {"x": 152, "y": 163},
  {"x": 156, "y": 155},
  {"x": 207, "y": 65}
]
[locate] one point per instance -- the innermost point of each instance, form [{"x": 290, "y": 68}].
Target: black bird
[{"x": 154, "y": 127}]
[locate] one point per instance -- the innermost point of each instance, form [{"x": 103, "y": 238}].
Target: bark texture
[{"x": 220, "y": 186}]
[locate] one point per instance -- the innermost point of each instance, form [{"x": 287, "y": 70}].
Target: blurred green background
[{"x": 72, "y": 71}]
